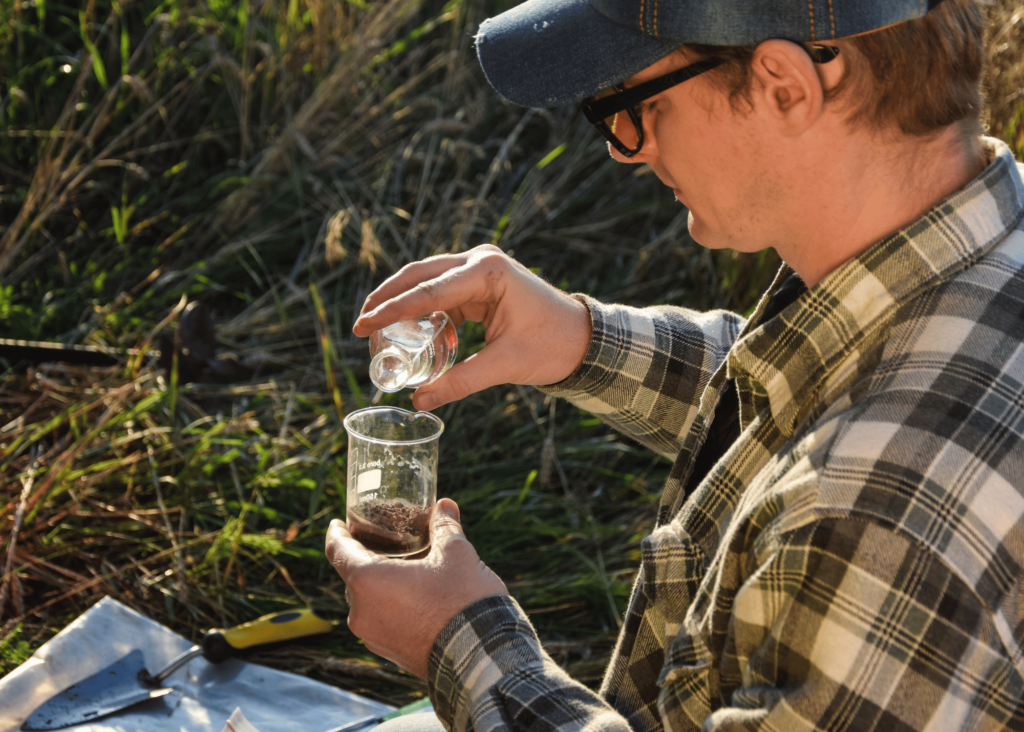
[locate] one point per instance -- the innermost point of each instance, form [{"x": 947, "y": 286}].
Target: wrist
[{"x": 573, "y": 339}]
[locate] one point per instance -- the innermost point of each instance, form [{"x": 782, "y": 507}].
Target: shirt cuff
[{"x": 473, "y": 652}]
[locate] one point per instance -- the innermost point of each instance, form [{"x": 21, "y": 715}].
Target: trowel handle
[{"x": 220, "y": 645}]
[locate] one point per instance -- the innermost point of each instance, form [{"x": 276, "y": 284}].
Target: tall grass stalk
[{"x": 277, "y": 159}]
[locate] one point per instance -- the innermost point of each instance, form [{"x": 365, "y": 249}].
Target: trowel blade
[{"x": 105, "y": 692}]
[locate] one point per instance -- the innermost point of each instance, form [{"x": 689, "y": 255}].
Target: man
[{"x": 840, "y": 542}]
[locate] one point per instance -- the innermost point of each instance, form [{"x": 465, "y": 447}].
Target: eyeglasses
[{"x": 603, "y": 109}]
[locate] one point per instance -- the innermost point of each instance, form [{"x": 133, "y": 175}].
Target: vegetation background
[{"x": 274, "y": 160}]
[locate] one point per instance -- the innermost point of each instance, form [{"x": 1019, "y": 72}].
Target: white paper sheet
[
  {"x": 207, "y": 695},
  {"x": 238, "y": 723}
]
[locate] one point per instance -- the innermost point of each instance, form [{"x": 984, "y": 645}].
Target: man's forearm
[{"x": 646, "y": 369}]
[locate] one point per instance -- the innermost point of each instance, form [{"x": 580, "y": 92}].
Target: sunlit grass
[{"x": 276, "y": 160}]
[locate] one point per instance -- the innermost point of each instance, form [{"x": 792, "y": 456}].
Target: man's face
[{"x": 710, "y": 155}]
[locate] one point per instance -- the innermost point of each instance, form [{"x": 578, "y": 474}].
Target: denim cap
[{"x": 546, "y": 53}]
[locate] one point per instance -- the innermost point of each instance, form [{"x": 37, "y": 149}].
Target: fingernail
[{"x": 449, "y": 509}]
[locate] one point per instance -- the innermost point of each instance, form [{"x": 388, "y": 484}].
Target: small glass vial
[{"x": 411, "y": 353}]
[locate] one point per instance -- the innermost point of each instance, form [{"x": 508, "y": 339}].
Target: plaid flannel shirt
[{"x": 854, "y": 560}]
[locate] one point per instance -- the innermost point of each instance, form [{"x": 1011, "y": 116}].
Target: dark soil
[{"x": 393, "y": 528}]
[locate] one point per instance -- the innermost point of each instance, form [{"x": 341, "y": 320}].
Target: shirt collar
[{"x": 786, "y": 360}]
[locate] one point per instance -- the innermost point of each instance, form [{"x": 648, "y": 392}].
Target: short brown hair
[{"x": 918, "y": 76}]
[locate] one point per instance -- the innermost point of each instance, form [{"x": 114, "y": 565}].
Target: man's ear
[{"x": 787, "y": 86}]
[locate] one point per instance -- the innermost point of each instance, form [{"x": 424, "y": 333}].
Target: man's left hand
[{"x": 399, "y": 606}]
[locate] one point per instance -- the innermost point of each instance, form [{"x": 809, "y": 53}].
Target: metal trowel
[{"x": 126, "y": 682}]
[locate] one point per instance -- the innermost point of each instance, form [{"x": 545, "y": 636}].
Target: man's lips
[{"x": 669, "y": 184}]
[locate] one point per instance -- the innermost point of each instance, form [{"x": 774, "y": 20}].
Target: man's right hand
[{"x": 536, "y": 334}]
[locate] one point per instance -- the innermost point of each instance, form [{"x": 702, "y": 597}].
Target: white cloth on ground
[{"x": 207, "y": 693}]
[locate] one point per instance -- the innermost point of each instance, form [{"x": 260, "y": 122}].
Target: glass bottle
[{"x": 411, "y": 353}]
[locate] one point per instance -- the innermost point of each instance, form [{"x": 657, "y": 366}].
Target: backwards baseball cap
[{"x": 545, "y": 53}]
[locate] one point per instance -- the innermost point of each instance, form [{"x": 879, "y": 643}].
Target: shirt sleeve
[
  {"x": 488, "y": 672},
  {"x": 849, "y": 626},
  {"x": 646, "y": 369}
]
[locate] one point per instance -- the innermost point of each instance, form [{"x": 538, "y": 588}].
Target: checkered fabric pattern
[{"x": 854, "y": 559}]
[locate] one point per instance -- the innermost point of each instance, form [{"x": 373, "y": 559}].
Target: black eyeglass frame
[{"x": 626, "y": 100}]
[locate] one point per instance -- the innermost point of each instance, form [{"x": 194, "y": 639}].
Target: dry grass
[
  {"x": 277, "y": 169},
  {"x": 1005, "y": 78}
]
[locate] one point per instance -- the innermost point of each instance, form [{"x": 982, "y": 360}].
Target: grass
[{"x": 275, "y": 161}]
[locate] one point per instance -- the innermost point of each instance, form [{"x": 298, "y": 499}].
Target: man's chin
[
  {"x": 698, "y": 232},
  {"x": 720, "y": 239},
  {"x": 703, "y": 235}
]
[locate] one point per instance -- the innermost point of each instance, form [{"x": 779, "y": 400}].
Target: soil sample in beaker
[{"x": 395, "y": 528}]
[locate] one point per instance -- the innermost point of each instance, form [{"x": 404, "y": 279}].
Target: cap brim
[{"x": 546, "y": 53}]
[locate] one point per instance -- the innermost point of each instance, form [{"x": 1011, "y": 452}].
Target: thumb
[
  {"x": 481, "y": 370},
  {"x": 444, "y": 523},
  {"x": 472, "y": 579}
]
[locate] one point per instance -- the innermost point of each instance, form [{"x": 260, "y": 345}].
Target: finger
[
  {"x": 488, "y": 367},
  {"x": 363, "y": 328},
  {"x": 444, "y": 523},
  {"x": 408, "y": 277},
  {"x": 412, "y": 274},
  {"x": 446, "y": 519},
  {"x": 478, "y": 281},
  {"x": 454, "y": 550},
  {"x": 344, "y": 552}
]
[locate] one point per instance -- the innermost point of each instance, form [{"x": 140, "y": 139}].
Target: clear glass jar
[{"x": 411, "y": 353}]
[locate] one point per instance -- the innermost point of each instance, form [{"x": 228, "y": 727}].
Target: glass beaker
[
  {"x": 412, "y": 352},
  {"x": 392, "y": 478}
]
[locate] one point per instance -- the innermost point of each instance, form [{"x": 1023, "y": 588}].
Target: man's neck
[{"x": 875, "y": 188}]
